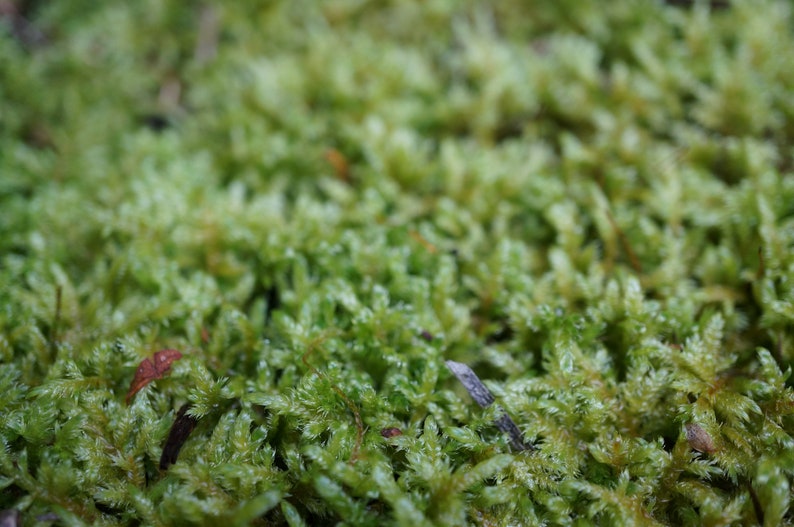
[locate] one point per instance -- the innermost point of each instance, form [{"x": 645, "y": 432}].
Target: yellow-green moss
[{"x": 589, "y": 203}]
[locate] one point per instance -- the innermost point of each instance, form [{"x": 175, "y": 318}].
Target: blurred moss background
[{"x": 318, "y": 203}]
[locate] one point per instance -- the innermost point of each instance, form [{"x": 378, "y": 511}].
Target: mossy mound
[{"x": 319, "y": 203}]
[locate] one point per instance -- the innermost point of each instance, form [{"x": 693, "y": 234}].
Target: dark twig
[
  {"x": 757, "y": 507},
  {"x": 27, "y": 33},
  {"x": 180, "y": 430},
  {"x": 483, "y": 396},
  {"x": 713, "y": 4},
  {"x": 10, "y": 518}
]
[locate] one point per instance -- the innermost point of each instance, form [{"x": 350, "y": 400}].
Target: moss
[{"x": 319, "y": 204}]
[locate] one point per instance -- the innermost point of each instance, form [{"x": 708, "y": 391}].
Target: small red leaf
[{"x": 151, "y": 369}]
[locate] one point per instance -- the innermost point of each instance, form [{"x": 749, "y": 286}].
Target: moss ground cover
[{"x": 591, "y": 204}]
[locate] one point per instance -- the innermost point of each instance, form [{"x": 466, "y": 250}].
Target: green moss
[{"x": 588, "y": 203}]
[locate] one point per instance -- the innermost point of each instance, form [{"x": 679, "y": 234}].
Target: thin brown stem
[
  {"x": 624, "y": 242},
  {"x": 348, "y": 402},
  {"x": 56, "y": 321}
]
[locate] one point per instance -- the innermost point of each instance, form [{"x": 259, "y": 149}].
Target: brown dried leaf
[
  {"x": 339, "y": 163},
  {"x": 151, "y": 369}
]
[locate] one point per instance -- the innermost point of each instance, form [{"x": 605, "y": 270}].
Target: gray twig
[{"x": 483, "y": 396}]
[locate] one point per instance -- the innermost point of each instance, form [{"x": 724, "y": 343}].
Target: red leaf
[{"x": 151, "y": 369}]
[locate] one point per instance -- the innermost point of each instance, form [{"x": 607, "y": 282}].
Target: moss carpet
[{"x": 315, "y": 205}]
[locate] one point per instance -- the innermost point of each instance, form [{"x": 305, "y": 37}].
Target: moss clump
[{"x": 318, "y": 204}]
